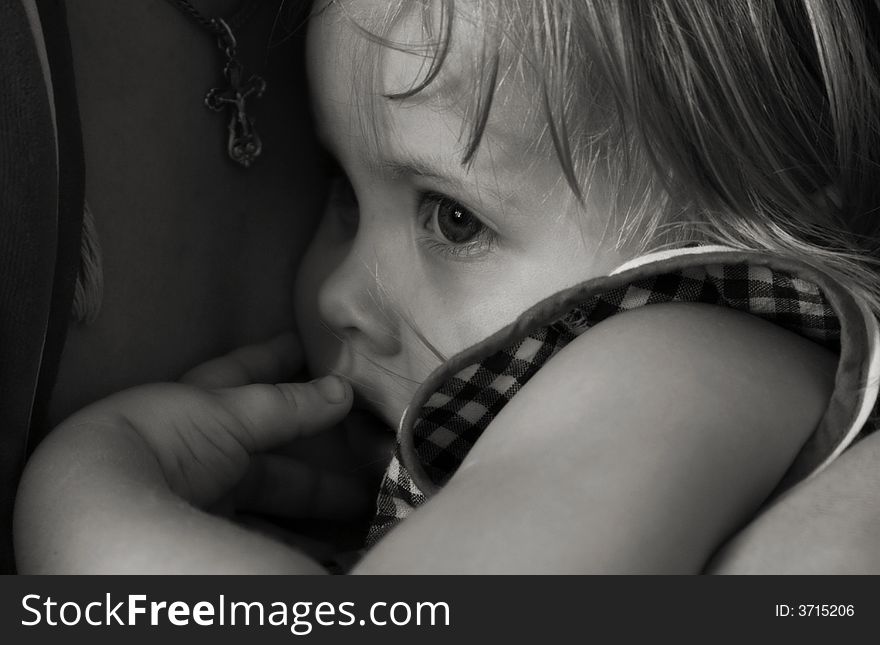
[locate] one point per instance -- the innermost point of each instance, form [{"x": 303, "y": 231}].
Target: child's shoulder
[{"x": 763, "y": 355}]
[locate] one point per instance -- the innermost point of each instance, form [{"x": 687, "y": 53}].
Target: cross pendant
[{"x": 243, "y": 143}]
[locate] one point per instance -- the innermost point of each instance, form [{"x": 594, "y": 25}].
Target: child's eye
[
  {"x": 455, "y": 229},
  {"x": 453, "y": 222}
]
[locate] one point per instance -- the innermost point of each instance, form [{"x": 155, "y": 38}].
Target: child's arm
[
  {"x": 639, "y": 448},
  {"x": 116, "y": 487}
]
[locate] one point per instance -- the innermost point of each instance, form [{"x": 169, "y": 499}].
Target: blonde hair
[
  {"x": 748, "y": 123},
  {"x": 88, "y": 293}
]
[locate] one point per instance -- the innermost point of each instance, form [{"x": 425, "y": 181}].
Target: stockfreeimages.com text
[{"x": 300, "y": 617}]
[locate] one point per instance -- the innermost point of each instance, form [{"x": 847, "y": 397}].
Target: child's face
[{"x": 421, "y": 250}]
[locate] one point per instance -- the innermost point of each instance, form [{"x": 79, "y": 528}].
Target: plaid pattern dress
[{"x": 462, "y": 397}]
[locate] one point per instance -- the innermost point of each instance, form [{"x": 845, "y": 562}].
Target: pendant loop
[{"x": 226, "y": 40}]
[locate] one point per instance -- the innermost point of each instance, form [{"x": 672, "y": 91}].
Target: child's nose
[{"x": 356, "y": 305}]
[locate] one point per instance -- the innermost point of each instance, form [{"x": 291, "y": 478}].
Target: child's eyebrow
[
  {"x": 412, "y": 166},
  {"x": 419, "y": 166}
]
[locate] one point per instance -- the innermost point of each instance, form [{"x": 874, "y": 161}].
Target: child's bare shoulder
[{"x": 680, "y": 365}]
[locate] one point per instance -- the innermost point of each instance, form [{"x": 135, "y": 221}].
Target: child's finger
[
  {"x": 269, "y": 415},
  {"x": 284, "y": 487},
  {"x": 270, "y": 362}
]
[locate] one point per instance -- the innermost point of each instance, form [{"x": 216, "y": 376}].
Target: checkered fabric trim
[
  {"x": 454, "y": 416},
  {"x": 398, "y": 495},
  {"x": 786, "y": 300}
]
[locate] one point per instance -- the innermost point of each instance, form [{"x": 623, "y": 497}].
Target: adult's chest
[{"x": 198, "y": 253}]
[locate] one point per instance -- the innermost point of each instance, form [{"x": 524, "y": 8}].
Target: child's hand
[
  {"x": 301, "y": 479},
  {"x": 210, "y": 433},
  {"x": 205, "y": 440},
  {"x": 119, "y": 469}
]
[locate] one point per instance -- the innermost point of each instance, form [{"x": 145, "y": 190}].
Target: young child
[{"x": 605, "y": 266}]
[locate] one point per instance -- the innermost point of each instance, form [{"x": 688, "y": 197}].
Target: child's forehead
[
  {"x": 374, "y": 63},
  {"x": 402, "y": 45}
]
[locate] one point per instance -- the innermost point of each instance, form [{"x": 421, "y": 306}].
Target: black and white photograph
[{"x": 439, "y": 287}]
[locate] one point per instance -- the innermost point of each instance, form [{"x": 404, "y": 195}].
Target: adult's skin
[
  {"x": 199, "y": 255},
  {"x": 828, "y": 524}
]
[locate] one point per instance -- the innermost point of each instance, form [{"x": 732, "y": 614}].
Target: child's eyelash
[{"x": 470, "y": 251}]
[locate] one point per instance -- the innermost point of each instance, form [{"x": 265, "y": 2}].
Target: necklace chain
[
  {"x": 243, "y": 144},
  {"x": 236, "y": 21}
]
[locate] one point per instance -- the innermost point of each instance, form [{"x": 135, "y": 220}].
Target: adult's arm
[{"x": 829, "y": 524}]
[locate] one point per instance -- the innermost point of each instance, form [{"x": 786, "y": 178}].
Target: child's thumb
[{"x": 270, "y": 415}]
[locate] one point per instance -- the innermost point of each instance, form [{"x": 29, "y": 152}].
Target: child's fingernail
[{"x": 331, "y": 388}]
